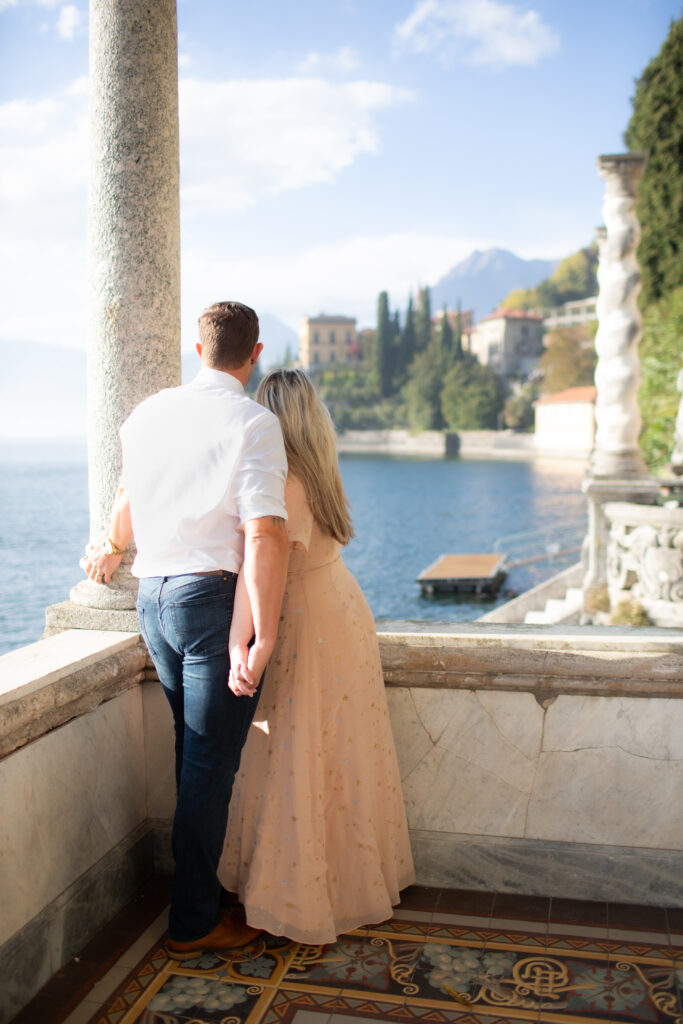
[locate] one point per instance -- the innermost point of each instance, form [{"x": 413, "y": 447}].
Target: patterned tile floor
[{"x": 446, "y": 956}]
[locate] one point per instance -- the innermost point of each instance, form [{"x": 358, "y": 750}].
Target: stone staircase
[
  {"x": 556, "y": 601},
  {"x": 565, "y": 610}
]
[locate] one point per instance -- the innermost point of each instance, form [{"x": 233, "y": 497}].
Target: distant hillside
[
  {"x": 276, "y": 336},
  {"x": 482, "y": 280}
]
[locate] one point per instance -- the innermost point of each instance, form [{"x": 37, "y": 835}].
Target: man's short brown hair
[{"x": 228, "y": 332}]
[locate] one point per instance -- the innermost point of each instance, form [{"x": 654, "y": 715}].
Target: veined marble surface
[
  {"x": 588, "y": 770},
  {"x": 67, "y": 801}
]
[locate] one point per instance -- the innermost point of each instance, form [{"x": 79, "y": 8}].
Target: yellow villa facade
[{"x": 327, "y": 339}]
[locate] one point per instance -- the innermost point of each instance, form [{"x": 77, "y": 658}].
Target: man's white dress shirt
[{"x": 198, "y": 462}]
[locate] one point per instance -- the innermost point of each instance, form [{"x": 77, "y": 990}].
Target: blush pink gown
[{"x": 317, "y": 840}]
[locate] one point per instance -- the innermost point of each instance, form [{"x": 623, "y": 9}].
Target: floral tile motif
[
  {"x": 450, "y": 975},
  {"x": 372, "y": 963},
  {"x": 200, "y": 1000},
  {"x": 596, "y": 989}
]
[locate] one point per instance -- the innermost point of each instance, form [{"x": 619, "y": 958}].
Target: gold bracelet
[{"x": 110, "y": 548}]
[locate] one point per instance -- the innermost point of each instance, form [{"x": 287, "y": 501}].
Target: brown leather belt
[{"x": 214, "y": 572}]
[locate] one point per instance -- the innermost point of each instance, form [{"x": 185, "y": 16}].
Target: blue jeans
[{"x": 185, "y": 621}]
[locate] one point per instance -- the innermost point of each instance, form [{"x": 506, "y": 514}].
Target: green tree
[
  {"x": 569, "y": 358},
  {"x": 445, "y": 340},
  {"x": 406, "y": 351},
  {"x": 422, "y": 392},
  {"x": 457, "y": 340},
  {"x": 575, "y": 278},
  {"x": 657, "y": 125},
  {"x": 472, "y": 396},
  {"x": 660, "y": 364},
  {"x": 518, "y": 411},
  {"x": 521, "y": 298},
  {"x": 383, "y": 355},
  {"x": 423, "y": 320}
]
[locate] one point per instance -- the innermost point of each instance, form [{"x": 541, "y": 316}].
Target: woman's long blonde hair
[{"x": 309, "y": 443}]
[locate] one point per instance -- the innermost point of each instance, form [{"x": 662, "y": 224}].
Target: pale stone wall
[
  {"x": 543, "y": 761},
  {"x": 565, "y": 426},
  {"x": 86, "y": 773}
]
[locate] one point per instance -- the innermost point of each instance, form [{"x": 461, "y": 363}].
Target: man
[{"x": 202, "y": 493}]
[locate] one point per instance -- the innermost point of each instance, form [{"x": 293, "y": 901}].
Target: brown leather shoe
[{"x": 227, "y": 935}]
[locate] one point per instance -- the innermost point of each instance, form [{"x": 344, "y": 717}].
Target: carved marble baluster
[{"x": 617, "y": 375}]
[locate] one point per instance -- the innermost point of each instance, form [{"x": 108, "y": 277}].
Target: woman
[{"x": 317, "y": 840}]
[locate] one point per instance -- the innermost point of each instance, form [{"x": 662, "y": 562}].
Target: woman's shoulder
[{"x": 299, "y": 513}]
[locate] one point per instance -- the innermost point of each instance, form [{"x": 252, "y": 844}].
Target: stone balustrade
[
  {"x": 543, "y": 761},
  {"x": 645, "y": 559}
]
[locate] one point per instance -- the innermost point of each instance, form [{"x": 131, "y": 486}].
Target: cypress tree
[
  {"x": 383, "y": 347},
  {"x": 657, "y": 125},
  {"x": 423, "y": 320},
  {"x": 457, "y": 341},
  {"x": 446, "y": 339},
  {"x": 407, "y": 344}
]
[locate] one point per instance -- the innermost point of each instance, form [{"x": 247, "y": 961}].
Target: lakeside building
[
  {"x": 565, "y": 421},
  {"x": 510, "y": 341},
  {"x": 571, "y": 313},
  {"x": 327, "y": 339}
]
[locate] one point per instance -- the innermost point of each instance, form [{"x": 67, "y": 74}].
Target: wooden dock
[{"x": 480, "y": 575}]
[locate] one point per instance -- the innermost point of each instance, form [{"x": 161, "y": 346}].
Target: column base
[
  {"x": 617, "y": 465},
  {"x": 69, "y": 615}
]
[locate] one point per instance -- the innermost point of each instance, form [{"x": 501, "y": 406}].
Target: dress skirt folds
[{"x": 317, "y": 840}]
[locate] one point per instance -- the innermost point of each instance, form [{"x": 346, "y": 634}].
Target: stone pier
[{"x": 134, "y": 260}]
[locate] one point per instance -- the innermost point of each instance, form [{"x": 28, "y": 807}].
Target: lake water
[{"x": 406, "y": 513}]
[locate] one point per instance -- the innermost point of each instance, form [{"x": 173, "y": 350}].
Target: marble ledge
[
  {"x": 544, "y": 661},
  {"x": 46, "y": 684}
]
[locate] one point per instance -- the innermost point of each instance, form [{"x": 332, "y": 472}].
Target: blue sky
[{"x": 328, "y": 150}]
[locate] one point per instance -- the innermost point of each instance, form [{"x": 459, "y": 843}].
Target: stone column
[
  {"x": 617, "y": 471},
  {"x": 134, "y": 254},
  {"x": 616, "y": 454}
]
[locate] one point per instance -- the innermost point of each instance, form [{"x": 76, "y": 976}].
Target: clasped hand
[{"x": 247, "y": 665}]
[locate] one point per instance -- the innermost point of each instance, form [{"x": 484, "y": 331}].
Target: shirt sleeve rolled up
[{"x": 259, "y": 482}]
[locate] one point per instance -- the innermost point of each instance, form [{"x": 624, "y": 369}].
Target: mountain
[
  {"x": 482, "y": 280},
  {"x": 43, "y": 387},
  {"x": 276, "y": 336}
]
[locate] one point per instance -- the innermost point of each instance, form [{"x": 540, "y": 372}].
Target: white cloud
[
  {"x": 489, "y": 33},
  {"x": 343, "y": 277},
  {"x": 68, "y": 22},
  {"x": 7, "y": 3},
  {"x": 270, "y": 136},
  {"x": 345, "y": 60},
  {"x": 184, "y": 60},
  {"x": 43, "y": 155},
  {"x": 239, "y": 141}
]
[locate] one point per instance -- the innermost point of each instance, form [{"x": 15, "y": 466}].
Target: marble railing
[
  {"x": 645, "y": 558},
  {"x": 541, "y": 760}
]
